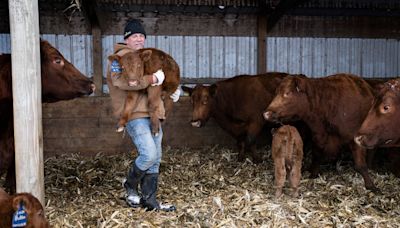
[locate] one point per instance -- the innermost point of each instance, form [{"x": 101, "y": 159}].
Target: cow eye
[
  {"x": 58, "y": 61},
  {"x": 386, "y": 108},
  {"x": 287, "y": 94}
]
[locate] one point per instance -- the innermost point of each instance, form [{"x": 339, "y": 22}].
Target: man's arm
[{"x": 147, "y": 80}]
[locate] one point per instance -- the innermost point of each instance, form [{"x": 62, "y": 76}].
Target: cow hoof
[
  {"x": 374, "y": 189},
  {"x": 155, "y": 134},
  {"x": 120, "y": 129}
]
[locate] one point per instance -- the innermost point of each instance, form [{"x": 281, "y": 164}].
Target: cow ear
[
  {"x": 187, "y": 89},
  {"x": 25, "y": 202},
  {"x": 213, "y": 89},
  {"x": 114, "y": 57},
  {"x": 145, "y": 55},
  {"x": 299, "y": 84}
]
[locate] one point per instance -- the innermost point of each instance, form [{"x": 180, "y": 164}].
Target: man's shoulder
[{"x": 121, "y": 48}]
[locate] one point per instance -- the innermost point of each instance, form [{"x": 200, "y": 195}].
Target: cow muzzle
[
  {"x": 196, "y": 123},
  {"x": 268, "y": 115}
]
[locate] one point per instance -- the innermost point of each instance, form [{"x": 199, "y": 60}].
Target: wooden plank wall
[{"x": 86, "y": 126}]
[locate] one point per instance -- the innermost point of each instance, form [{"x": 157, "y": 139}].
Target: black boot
[
  {"x": 149, "y": 191},
  {"x": 135, "y": 176}
]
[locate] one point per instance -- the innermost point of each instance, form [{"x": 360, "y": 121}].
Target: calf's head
[
  {"x": 289, "y": 102},
  {"x": 33, "y": 208},
  {"x": 201, "y": 98},
  {"x": 381, "y": 126},
  {"x": 134, "y": 65}
]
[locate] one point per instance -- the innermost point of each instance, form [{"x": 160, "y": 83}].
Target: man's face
[{"x": 135, "y": 41}]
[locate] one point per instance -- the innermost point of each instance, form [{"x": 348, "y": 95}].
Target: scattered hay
[{"x": 211, "y": 189}]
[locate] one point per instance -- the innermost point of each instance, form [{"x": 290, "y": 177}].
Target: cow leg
[
  {"x": 315, "y": 162},
  {"x": 280, "y": 173},
  {"x": 155, "y": 110},
  {"x": 10, "y": 179},
  {"x": 359, "y": 156},
  {"x": 253, "y": 129},
  {"x": 250, "y": 145},
  {"x": 241, "y": 148}
]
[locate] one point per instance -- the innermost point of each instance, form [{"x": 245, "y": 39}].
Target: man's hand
[
  {"x": 175, "y": 96},
  {"x": 159, "y": 76}
]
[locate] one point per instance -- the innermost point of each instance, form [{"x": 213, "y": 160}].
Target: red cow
[
  {"x": 333, "y": 107},
  {"x": 35, "y": 217},
  {"x": 237, "y": 105},
  {"x": 381, "y": 126},
  {"x": 60, "y": 81}
]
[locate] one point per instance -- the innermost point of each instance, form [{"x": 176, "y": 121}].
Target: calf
[
  {"x": 34, "y": 212},
  {"x": 60, "y": 81},
  {"x": 333, "y": 107},
  {"x": 237, "y": 104},
  {"x": 142, "y": 62},
  {"x": 287, "y": 153}
]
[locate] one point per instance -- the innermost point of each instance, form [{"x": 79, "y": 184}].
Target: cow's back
[{"x": 246, "y": 96}]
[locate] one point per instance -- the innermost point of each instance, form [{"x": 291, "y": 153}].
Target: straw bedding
[{"x": 211, "y": 189}]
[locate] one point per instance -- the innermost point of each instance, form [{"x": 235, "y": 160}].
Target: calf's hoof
[{"x": 120, "y": 129}]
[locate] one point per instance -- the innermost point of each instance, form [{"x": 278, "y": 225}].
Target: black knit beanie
[{"x": 133, "y": 26}]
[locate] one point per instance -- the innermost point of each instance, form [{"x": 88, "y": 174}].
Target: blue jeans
[{"x": 147, "y": 145}]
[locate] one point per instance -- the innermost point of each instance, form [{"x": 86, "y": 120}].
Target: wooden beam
[
  {"x": 27, "y": 96},
  {"x": 282, "y": 7},
  {"x": 91, "y": 15},
  {"x": 261, "y": 44}
]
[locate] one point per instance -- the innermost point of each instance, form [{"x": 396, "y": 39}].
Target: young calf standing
[
  {"x": 32, "y": 214},
  {"x": 287, "y": 152}
]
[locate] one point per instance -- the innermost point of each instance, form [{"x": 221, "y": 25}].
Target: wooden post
[
  {"x": 97, "y": 60},
  {"x": 27, "y": 96},
  {"x": 261, "y": 44}
]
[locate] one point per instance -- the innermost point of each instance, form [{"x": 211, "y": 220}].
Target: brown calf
[
  {"x": 10, "y": 204},
  {"x": 287, "y": 152},
  {"x": 147, "y": 61}
]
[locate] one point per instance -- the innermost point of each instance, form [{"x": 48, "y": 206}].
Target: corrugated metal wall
[
  {"x": 224, "y": 57},
  {"x": 75, "y": 48}
]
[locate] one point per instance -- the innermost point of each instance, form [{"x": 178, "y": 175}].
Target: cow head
[
  {"x": 201, "y": 99},
  {"x": 380, "y": 127},
  {"x": 33, "y": 208},
  {"x": 290, "y": 100},
  {"x": 60, "y": 79},
  {"x": 132, "y": 64}
]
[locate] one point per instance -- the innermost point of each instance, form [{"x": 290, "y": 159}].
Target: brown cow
[
  {"x": 60, "y": 81},
  {"x": 142, "y": 62},
  {"x": 381, "y": 126},
  {"x": 236, "y": 104},
  {"x": 287, "y": 153},
  {"x": 333, "y": 107},
  {"x": 35, "y": 217}
]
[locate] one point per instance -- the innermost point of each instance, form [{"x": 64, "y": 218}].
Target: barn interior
[{"x": 86, "y": 160}]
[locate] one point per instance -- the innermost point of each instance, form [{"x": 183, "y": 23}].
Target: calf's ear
[
  {"x": 145, "y": 55},
  {"x": 187, "y": 89},
  {"x": 114, "y": 57},
  {"x": 25, "y": 202}
]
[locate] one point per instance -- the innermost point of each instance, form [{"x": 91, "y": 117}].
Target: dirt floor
[{"x": 211, "y": 189}]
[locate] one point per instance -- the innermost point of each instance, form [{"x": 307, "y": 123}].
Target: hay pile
[{"x": 211, "y": 189}]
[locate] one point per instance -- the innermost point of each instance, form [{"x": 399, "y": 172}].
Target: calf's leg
[
  {"x": 280, "y": 173},
  {"x": 154, "y": 95}
]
